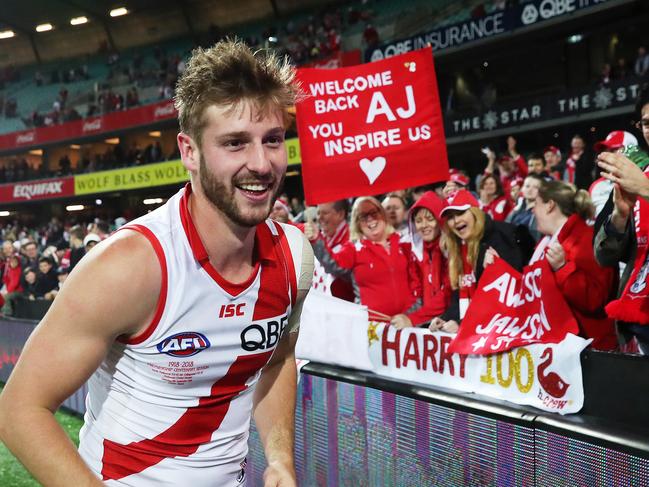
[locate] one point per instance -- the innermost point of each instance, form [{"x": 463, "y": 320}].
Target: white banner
[
  {"x": 333, "y": 331},
  {"x": 546, "y": 376}
]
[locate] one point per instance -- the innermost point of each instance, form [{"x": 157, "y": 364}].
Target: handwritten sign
[{"x": 371, "y": 128}]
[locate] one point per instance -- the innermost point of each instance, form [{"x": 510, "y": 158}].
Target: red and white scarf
[
  {"x": 633, "y": 304},
  {"x": 467, "y": 284}
]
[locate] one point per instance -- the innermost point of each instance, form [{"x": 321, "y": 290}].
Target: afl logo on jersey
[{"x": 184, "y": 344}]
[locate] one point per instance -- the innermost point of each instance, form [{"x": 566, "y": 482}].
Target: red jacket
[
  {"x": 428, "y": 268},
  {"x": 585, "y": 285},
  {"x": 380, "y": 278}
]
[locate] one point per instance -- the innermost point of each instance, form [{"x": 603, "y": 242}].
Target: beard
[{"x": 222, "y": 196}]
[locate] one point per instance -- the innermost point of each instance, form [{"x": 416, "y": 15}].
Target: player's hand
[
  {"x": 556, "y": 256},
  {"x": 278, "y": 474},
  {"x": 400, "y": 321}
]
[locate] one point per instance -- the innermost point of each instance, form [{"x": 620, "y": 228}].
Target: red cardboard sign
[
  {"x": 511, "y": 309},
  {"x": 371, "y": 128}
]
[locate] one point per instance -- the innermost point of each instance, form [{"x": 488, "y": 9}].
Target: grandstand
[{"x": 88, "y": 132}]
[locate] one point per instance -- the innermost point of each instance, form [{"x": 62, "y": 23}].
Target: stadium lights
[
  {"x": 152, "y": 201},
  {"x": 574, "y": 39},
  {"x": 272, "y": 39},
  {"x": 74, "y": 207},
  {"x": 5, "y": 213},
  {"x": 118, "y": 12},
  {"x": 44, "y": 27},
  {"x": 112, "y": 141},
  {"x": 78, "y": 20},
  {"x": 75, "y": 146},
  {"x": 6, "y": 34},
  {"x": 98, "y": 202},
  {"x": 155, "y": 133},
  {"x": 36, "y": 152}
]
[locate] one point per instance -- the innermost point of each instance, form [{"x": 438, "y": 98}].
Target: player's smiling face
[{"x": 243, "y": 161}]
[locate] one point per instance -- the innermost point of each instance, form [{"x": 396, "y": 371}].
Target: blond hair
[
  {"x": 452, "y": 245},
  {"x": 568, "y": 198},
  {"x": 228, "y": 74},
  {"x": 355, "y": 233}
]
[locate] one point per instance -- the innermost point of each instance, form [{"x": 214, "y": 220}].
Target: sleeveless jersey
[{"x": 172, "y": 406}]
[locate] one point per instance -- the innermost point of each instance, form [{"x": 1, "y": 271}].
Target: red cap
[
  {"x": 459, "y": 178},
  {"x": 554, "y": 149},
  {"x": 283, "y": 204},
  {"x": 515, "y": 182},
  {"x": 460, "y": 201},
  {"x": 616, "y": 140}
]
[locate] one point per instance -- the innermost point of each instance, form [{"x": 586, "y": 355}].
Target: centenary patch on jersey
[{"x": 184, "y": 344}]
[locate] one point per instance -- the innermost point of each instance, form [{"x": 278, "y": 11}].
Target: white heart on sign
[{"x": 373, "y": 168}]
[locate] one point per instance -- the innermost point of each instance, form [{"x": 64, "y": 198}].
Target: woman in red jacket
[
  {"x": 373, "y": 258},
  {"x": 561, "y": 212},
  {"x": 428, "y": 269}
]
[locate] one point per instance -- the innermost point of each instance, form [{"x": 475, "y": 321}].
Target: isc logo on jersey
[{"x": 184, "y": 344}]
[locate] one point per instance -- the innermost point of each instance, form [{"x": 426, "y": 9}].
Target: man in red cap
[{"x": 457, "y": 180}]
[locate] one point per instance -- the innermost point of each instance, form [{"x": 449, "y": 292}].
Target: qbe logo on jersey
[{"x": 184, "y": 344}]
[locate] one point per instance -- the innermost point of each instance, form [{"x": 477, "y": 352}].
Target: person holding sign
[
  {"x": 428, "y": 269},
  {"x": 377, "y": 261},
  {"x": 561, "y": 212},
  {"x": 472, "y": 240}
]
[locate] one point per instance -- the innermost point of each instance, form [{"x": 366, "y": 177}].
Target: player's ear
[{"x": 189, "y": 152}]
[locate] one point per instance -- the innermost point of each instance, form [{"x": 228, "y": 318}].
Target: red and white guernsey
[{"x": 173, "y": 407}]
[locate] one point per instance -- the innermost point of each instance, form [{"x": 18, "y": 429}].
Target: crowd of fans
[
  {"x": 35, "y": 263},
  {"x": 414, "y": 257}
]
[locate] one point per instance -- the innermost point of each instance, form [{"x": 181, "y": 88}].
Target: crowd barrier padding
[{"x": 356, "y": 428}]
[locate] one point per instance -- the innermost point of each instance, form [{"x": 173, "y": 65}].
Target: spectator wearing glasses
[
  {"x": 377, "y": 260},
  {"x": 622, "y": 235},
  {"x": 472, "y": 240}
]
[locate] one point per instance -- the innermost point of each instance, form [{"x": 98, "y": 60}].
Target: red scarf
[
  {"x": 571, "y": 168},
  {"x": 633, "y": 304},
  {"x": 468, "y": 284}
]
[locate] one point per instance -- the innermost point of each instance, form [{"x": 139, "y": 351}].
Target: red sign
[
  {"x": 36, "y": 190},
  {"x": 79, "y": 128},
  {"x": 511, "y": 309},
  {"x": 371, "y": 128}
]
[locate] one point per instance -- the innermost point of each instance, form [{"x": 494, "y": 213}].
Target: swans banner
[
  {"x": 512, "y": 309},
  {"x": 546, "y": 376}
]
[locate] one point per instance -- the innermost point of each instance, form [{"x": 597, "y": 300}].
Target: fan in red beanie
[{"x": 427, "y": 268}]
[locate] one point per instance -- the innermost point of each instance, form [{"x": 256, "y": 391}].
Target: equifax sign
[{"x": 37, "y": 190}]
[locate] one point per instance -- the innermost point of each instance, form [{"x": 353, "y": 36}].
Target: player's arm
[
  {"x": 102, "y": 299},
  {"x": 274, "y": 400}
]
